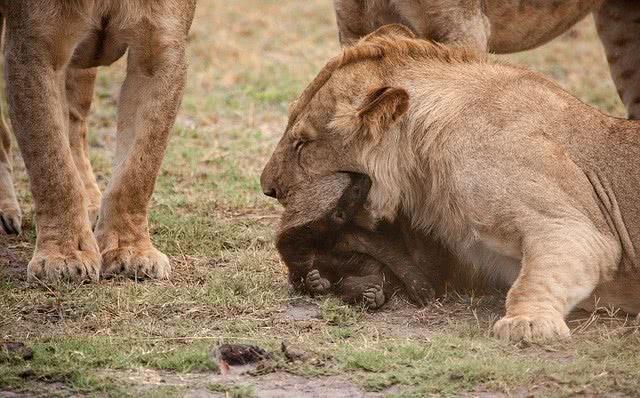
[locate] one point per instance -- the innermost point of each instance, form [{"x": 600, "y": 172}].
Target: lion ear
[
  {"x": 394, "y": 29},
  {"x": 383, "y": 106}
]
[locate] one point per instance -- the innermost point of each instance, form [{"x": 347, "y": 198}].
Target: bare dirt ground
[{"x": 155, "y": 338}]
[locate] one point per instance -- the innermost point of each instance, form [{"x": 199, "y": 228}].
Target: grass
[
  {"x": 248, "y": 60},
  {"x": 238, "y": 391}
]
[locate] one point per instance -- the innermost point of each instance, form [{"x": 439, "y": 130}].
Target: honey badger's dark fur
[{"x": 325, "y": 249}]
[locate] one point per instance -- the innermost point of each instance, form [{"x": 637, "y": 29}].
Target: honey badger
[{"x": 327, "y": 245}]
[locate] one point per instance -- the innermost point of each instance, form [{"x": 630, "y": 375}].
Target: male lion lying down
[
  {"x": 326, "y": 247},
  {"x": 506, "y": 169}
]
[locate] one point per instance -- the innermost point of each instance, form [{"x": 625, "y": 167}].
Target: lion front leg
[
  {"x": 149, "y": 101},
  {"x": 10, "y": 214},
  {"x": 560, "y": 268},
  {"x": 65, "y": 245},
  {"x": 79, "y": 90}
]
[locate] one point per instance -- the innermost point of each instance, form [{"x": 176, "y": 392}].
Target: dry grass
[{"x": 248, "y": 59}]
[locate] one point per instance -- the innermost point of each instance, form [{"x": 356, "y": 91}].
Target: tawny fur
[
  {"x": 510, "y": 172},
  {"x": 50, "y": 71},
  {"x": 10, "y": 214},
  {"x": 505, "y": 26}
]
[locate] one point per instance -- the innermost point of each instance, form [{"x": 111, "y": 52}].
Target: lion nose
[
  {"x": 268, "y": 180},
  {"x": 271, "y": 192}
]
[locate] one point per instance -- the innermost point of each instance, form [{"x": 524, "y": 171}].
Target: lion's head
[
  {"x": 345, "y": 110},
  {"x": 355, "y": 116}
]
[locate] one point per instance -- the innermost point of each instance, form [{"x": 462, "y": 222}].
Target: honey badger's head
[
  {"x": 315, "y": 215},
  {"x": 326, "y": 203}
]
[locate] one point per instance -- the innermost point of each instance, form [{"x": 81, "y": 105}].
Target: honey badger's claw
[
  {"x": 373, "y": 297},
  {"x": 316, "y": 283}
]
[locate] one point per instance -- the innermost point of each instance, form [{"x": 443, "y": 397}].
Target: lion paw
[
  {"x": 136, "y": 262},
  {"x": 55, "y": 261},
  {"x": 10, "y": 219},
  {"x": 531, "y": 328},
  {"x": 316, "y": 283},
  {"x": 10, "y": 215},
  {"x": 373, "y": 297}
]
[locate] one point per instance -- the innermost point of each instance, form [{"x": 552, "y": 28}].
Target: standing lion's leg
[
  {"x": 561, "y": 266},
  {"x": 149, "y": 101},
  {"x": 79, "y": 89},
  {"x": 464, "y": 24},
  {"x": 618, "y": 23},
  {"x": 352, "y": 20},
  {"x": 10, "y": 215},
  {"x": 37, "y": 53}
]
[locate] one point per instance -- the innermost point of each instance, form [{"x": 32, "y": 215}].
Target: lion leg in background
[
  {"x": 149, "y": 101},
  {"x": 560, "y": 268},
  {"x": 357, "y": 18},
  {"x": 618, "y": 24},
  {"x": 464, "y": 24},
  {"x": 79, "y": 89},
  {"x": 35, "y": 71},
  {"x": 10, "y": 214}
]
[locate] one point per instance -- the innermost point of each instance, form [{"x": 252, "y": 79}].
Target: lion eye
[{"x": 298, "y": 145}]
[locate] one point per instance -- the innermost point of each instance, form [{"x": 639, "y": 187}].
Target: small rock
[{"x": 294, "y": 354}]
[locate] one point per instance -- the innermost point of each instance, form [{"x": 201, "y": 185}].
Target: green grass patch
[{"x": 234, "y": 391}]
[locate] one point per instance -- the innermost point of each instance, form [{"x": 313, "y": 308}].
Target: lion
[
  {"x": 50, "y": 71},
  {"x": 10, "y": 213},
  {"x": 501, "y": 26},
  {"x": 510, "y": 172},
  {"x": 325, "y": 242}
]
